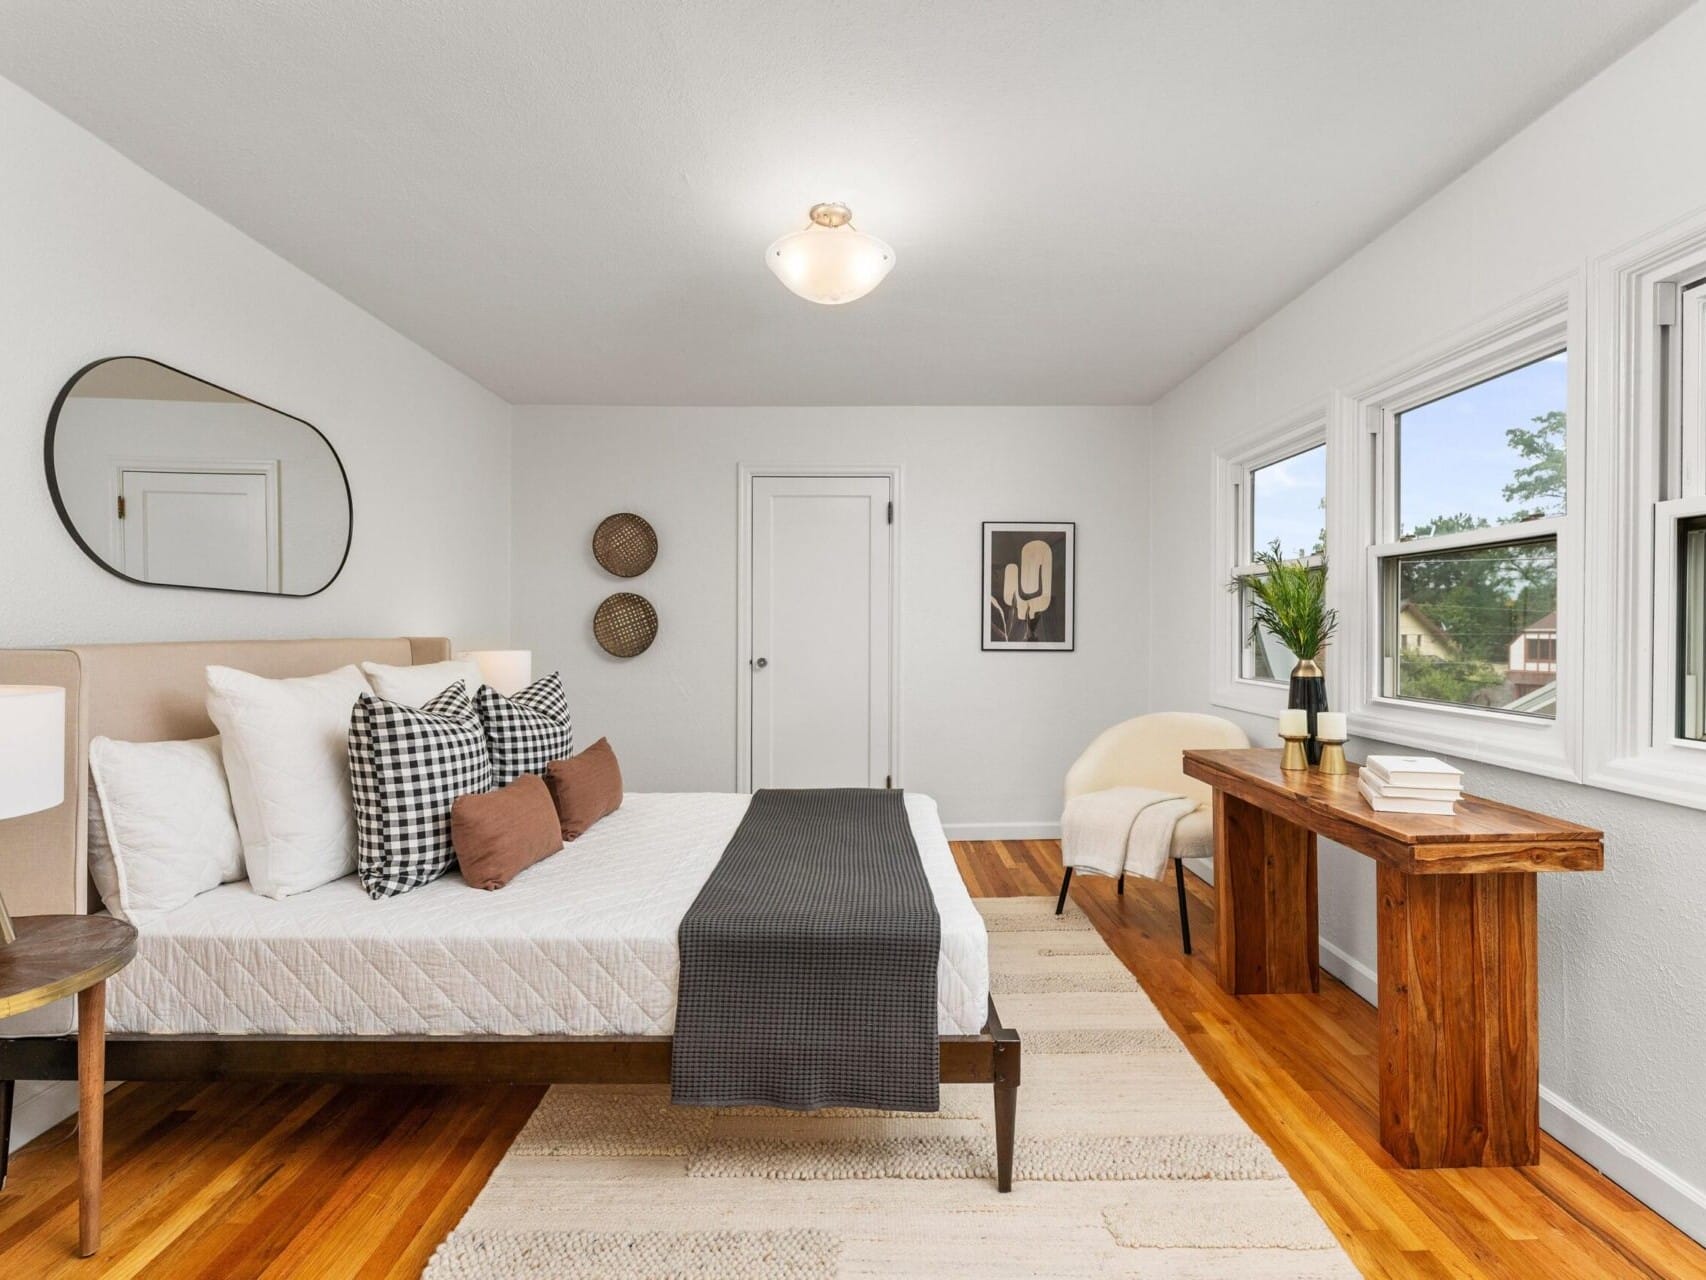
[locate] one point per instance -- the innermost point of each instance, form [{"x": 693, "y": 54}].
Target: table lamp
[
  {"x": 509, "y": 671},
  {"x": 32, "y": 758}
]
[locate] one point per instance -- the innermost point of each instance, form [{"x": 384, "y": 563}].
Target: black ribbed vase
[{"x": 1309, "y": 693}]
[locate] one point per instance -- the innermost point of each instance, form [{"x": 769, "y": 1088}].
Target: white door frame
[
  {"x": 266, "y": 468},
  {"x": 747, "y": 473}
]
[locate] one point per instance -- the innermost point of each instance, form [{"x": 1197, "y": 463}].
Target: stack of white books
[{"x": 1410, "y": 784}]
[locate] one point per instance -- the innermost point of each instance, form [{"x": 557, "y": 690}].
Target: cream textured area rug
[{"x": 1129, "y": 1163}]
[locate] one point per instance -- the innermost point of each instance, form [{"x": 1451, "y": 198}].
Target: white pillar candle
[
  {"x": 1294, "y": 723},
  {"x": 1330, "y": 726}
]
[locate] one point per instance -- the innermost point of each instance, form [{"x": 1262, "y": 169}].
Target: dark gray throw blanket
[{"x": 808, "y": 962}]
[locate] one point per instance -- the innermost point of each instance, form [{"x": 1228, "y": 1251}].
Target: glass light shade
[
  {"x": 830, "y": 264},
  {"x": 509, "y": 671},
  {"x": 32, "y": 748}
]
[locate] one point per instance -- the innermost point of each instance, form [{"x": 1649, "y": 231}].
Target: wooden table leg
[
  {"x": 1459, "y": 1019},
  {"x": 91, "y": 1112},
  {"x": 1264, "y": 880}
]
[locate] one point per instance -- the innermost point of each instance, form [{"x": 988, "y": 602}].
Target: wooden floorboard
[{"x": 283, "y": 1180}]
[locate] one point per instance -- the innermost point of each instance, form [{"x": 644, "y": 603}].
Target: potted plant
[{"x": 1288, "y": 600}]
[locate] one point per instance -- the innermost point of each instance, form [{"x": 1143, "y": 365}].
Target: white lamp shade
[
  {"x": 830, "y": 265},
  {"x": 32, "y": 748},
  {"x": 506, "y": 670}
]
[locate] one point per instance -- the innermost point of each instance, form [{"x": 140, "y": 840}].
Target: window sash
[
  {"x": 1389, "y": 639},
  {"x": 1389, "y": 547}
]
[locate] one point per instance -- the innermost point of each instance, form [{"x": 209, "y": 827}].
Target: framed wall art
[{"x": 1029, "y": 587}]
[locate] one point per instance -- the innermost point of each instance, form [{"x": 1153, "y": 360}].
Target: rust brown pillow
[
  {"x": 585, "y": 787},
  {"x": 499, "y": 834}
]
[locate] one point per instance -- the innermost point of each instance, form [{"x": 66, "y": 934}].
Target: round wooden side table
[{"x": 55, "y": 957}]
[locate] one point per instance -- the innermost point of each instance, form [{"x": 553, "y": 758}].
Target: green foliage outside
[{"x": 1481, "y": 599}]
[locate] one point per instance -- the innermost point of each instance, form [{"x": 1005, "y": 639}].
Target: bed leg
[
  {"x": 1006, "y": 1107},
  {"x": 6, "y": 1088}
]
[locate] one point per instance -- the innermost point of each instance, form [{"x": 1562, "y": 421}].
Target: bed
[{"x": 568, "y": 975}]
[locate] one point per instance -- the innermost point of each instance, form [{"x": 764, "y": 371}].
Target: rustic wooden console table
[{"x": 1459, "y": 999}]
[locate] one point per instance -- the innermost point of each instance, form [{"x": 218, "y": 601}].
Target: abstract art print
[{"x": 1029, "y": 595}]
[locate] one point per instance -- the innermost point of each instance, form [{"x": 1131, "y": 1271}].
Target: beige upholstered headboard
[{"x": 141, "y": 693}]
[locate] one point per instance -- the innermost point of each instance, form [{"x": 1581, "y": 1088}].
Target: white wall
[
  {"x": 1623, "y": 1015},
  {"x": 990, "y": 735},
  {"x": 97, "y": 258}
]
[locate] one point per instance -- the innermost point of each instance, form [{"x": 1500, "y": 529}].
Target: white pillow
[
  {"x": 416, "y": 686},
  {"x": 286, "y": 752},
  {"x": 166, "y": 832}
]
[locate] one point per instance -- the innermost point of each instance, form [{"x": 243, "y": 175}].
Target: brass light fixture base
[
  {"x": 832, "y": 214},
  {"x": 1294, "y": 759}
]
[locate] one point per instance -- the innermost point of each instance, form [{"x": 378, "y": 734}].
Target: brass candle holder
[
  {"x": 1294, "y": 759},
  {"x": 1333, "y": 758}
]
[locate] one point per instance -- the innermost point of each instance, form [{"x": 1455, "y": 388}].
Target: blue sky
[
  {"x": 1452, "y": 454},
  {"x": 1288, "y": 501}
]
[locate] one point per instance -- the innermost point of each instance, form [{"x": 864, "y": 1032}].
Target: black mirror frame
[{"x": 71, "y": 528}]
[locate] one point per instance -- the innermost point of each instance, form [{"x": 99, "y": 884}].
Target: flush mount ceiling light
[{"x": 829, "y": 261}]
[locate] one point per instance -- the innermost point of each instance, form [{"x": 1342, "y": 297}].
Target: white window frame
[
  {"x": 1362, "y": 515},
  {"x": 1645, "y": 482},
  {"x": 1295, "y": 433}
]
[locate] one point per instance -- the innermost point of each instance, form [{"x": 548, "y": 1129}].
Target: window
[
  {"x": 1473, "y": 497},
  {"x": 1685, "y": 467},
  {"x": 1288, "y": 514},
  {"x": 1270, "y": 492},
  {"x": 1288, "y": 505}
]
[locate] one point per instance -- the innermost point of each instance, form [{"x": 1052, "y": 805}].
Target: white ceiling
[{"x": 571, "y": 201}]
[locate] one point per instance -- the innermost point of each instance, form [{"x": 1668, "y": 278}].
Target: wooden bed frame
[
  {"x": 154, "y": 692},
  {"x": 991, "y": 1057}
]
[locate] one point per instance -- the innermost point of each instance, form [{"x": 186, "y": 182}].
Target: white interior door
[
  {"x": 822, "y": 631},
  {"x": 210, "y": 528}
]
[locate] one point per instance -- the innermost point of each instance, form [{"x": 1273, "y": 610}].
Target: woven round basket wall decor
[
  {"x": 625, "y": 624},
  {"x": 625, "y": 544}
]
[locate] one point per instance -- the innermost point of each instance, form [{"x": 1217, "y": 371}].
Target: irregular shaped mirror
[{"x": 169, "y": 480}]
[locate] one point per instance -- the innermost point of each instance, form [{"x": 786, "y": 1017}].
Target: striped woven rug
[{"x": 1129, "y": 1163}]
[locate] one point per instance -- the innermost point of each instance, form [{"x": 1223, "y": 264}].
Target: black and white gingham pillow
[
  {"x": 407, "y": 765},
  {"x": 526, "y": 732}
]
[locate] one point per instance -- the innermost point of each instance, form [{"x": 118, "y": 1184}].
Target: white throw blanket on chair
[{"x": 1122, "y": 830}]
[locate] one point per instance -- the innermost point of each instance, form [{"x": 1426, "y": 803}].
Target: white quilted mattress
[{"x": 584, "y": 943}]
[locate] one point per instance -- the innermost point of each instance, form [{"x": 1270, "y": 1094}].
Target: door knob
[{"x": 761, "y": 663}]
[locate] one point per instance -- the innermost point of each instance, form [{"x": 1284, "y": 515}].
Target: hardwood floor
[
  {"x": 1301, "y": 1071},
  {"x": 236, "y": 1180}
]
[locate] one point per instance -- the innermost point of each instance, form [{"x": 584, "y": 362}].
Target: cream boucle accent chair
[{"x": 1148, "y": 751}]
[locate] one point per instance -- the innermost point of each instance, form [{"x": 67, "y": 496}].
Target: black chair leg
[
  {"x": 1060, "y": 904},
  {"x": 1122, "y": 884},
  {"x": 1184, "y": 915}
]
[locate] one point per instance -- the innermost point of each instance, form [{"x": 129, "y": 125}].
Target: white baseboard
[
  {"x": 38, "y": 1105},
  {"x": 1352, "y": 972},
  {"x": 1666, "y": 1194},
  {"x": 1671, "y": 1197},
  {"x": 1002, "y": 830}
]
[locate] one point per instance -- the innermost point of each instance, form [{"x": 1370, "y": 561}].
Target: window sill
[
  {"x": 1487, "y": 737},
  {"x": 1671, "y": 775},
  {"x": 1254, "y": 697}
]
